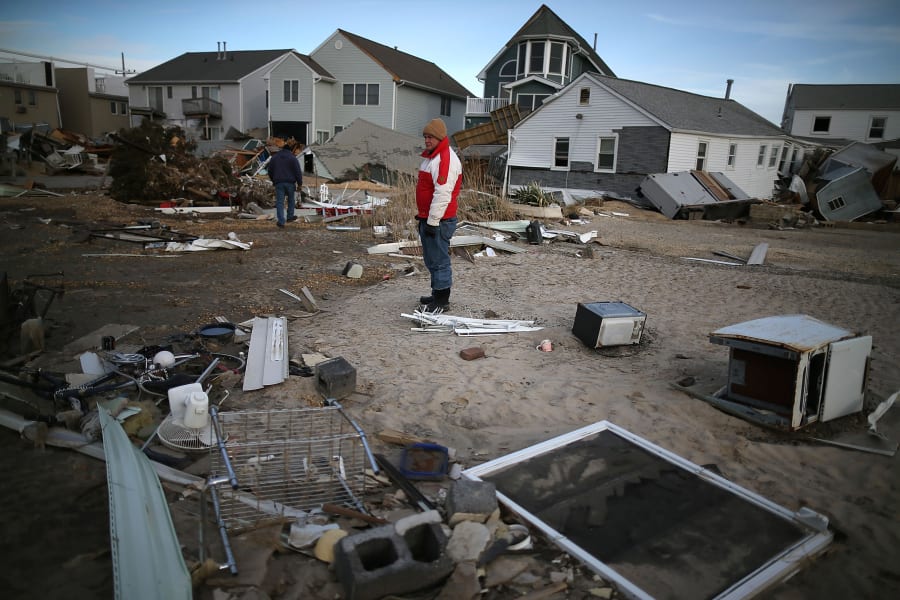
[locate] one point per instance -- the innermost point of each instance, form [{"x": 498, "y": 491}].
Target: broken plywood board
[
  {"x": 541, "y": 212},
  {"x": 758, "y": 256}
]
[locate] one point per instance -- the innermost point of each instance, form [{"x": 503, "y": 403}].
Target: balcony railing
[
  {"x": 201, "y": 107},
  {"x": 484, "y": 106}
]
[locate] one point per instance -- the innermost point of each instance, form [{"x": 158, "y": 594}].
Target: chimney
[
  {"x": 224, "y": 54},
  {"x": 218, "y": 50},
  {"x": 595, "y": 42},
  {"x": 728, "y": 88}
]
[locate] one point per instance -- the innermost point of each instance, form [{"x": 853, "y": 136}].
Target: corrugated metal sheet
[{"x": 147, "y": 561}]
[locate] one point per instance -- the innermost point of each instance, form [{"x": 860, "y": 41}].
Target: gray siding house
[
  {"x": 207, "y": 93},
  {"x": 543, "y": 57},
  {"x": 301, "y": 94},
  {"x": 385, "y": 86},
  {"x": 604, "y": 134}
]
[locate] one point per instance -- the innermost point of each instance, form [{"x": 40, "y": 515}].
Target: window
[
  {"x": 114, "y": 107},
  {"x": 702, "y": 148},
  {"x": 445, "y": 106},
  {"x": 783, "y": 160},
  {"x": 169, "y": 91},
  {"x": 773, "y": 155},
  {"x": 529, "y": 102},
  {"x": 536, "y": 62},
  {"x": 154, "y": 98},
  {"x": 557, "y": 51},
  {"x": 876, "y": 127},
  {"x": 545, "y": 58},
  {"x": 321, "y": 136},
  {"x": 17, "y": 94},
  {"x": 732, "y": 155},
  {"x": 507, "y": 75},
  {"x": 821, "y": 124},
  {"x": 32, "y": 98},
  {"x": 291, "y": 90},
  {"x": 338, "y": 129},
  {"x": 606, "y": 154},
  {"x": 100, "y": 85},
  {"x": 584, "y": 96},
  {"x": 561, "y": 153},
  {"x": 204, "y": 91},
  {"x": 761, "y": 159},
  {"x": 836, "y": 203},
  {"x": 123, "y": 108},
  {"x": 361, "y": 94}
]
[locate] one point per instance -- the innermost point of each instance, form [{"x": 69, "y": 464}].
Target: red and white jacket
[{"x": 440, "y": 179}]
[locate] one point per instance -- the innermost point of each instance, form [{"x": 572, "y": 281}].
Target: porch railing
[
  {"x": 201, "y": 107},
  {"x": 484, "y": 106}
]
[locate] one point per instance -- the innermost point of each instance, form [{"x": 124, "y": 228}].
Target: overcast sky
[{"x": 763, "y": 45}]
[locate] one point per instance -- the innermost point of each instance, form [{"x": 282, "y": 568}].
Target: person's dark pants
[
  {"x": 436, "y": 252},
  {"x": 282, "y": 190}
]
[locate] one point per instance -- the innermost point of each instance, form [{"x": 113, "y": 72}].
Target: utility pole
[{"x": 123, "y": 73}]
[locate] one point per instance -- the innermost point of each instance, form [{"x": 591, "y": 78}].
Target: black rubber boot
[
  {"x": 440, "y": 301},
  {"x": 426, "y": 299}
]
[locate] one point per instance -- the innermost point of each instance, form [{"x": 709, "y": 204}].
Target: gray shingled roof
[
  {"x": 873, "y": 96},
  {"x": 693, "y": 112},
  {"x": 406, "y": 67},
  {"x": 209, "y": 67},
  {"x": 544, "y": 22}
]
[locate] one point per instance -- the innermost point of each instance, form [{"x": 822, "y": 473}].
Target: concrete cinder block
[
  {"x": 469, "y": 500},
  {"x": 381, "y": 562},
  {"x": 335, "y": 378}
]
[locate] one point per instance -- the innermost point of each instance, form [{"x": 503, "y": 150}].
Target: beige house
[
  {"x": 90, "y": 104},
  {"x": 28, "y": 95}
]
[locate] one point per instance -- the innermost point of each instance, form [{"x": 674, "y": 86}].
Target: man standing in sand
[
  {"x": 437, "y": 190},
  {"x": 284, "y": 171}
]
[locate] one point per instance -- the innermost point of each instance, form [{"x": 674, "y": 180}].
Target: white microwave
[{"x": 602, "y": 324}]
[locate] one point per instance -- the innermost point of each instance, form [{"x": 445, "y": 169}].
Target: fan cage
[{"x": 287, "y": 462}]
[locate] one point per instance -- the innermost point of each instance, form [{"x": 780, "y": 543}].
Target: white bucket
[{"x": 197, "y": 413}]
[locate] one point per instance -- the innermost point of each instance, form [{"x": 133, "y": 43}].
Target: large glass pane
[
  {"x": 348, "y": 93},
  {"x": 372, "y": 98},
  {"x": 360, "y": 94},
  {"x": 556, "y": 58},
  {"x": 536, "y": 65}
]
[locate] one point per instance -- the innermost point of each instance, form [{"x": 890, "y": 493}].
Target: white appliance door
[{"x": 845, "y": 382}]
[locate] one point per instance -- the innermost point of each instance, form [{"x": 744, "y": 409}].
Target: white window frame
[
  {"x": 446, "y": 106},
  {"x": 702, "y": 157},
  {"x": 773, "y": 155},
  {"x": 584, "y": 96},
  {"x": 761, "y": 158},
  {"x": 883, "y": 127},
  {"x": 615, "y": 154},
  {"x": 290, "y": 91},
  {"x": 113, "y": 107},
  {"x": 732, "y": 156},
  {"x": 556, "y": 142},
  {"x": 322, "y": 136},
  {"x": 155, "y": 90},
  {"x": 815, "y": 131}
]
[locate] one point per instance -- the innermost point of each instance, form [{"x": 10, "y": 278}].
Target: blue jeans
[
  {"x": 282, "y": 189},
  {"x": 436, "y": 252}
]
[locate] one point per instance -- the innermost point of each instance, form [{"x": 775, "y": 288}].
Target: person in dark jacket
[{"x": 285, "y": 172}]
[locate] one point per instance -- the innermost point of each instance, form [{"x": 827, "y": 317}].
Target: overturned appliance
[
  {"x": 696, "y": 195},
  {"x": 601, "y": 324},
  {"x": 789, "y": 371}
]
